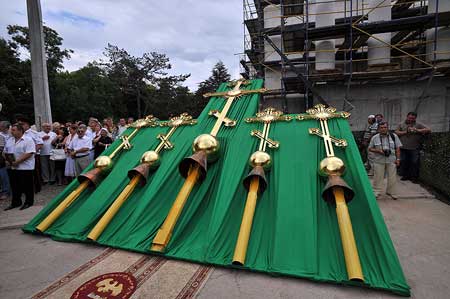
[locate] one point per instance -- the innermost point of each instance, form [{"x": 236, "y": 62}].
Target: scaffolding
[{"x": 281, "y": 37}]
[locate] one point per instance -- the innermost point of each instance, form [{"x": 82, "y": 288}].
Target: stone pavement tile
[
  {"x": 16, "y": 218},
  {"x": 29, "y": 263}
]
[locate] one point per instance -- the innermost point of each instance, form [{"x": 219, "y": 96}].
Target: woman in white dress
[{"x": 69, "y": 170}]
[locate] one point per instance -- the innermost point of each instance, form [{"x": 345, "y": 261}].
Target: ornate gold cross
[
  {"x": 148, "y": 121},
  {"x": 183, "y": 120},
  {"x": 336, "y": 190},
  {"x": 230, "y": 95},
  {"x": 322, "y": 113},
  {"x": 268, "y": 116},
  {"x": 194, "y": 168},
  {"x": 150, "y": 160},
  {"x": 256, "y": 182}
]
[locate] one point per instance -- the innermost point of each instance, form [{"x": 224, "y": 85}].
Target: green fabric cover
[{"x": 295, "y": 232}]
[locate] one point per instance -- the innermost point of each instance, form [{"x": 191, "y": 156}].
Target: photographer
[
  {"x": 386, "y": 149},
  {"x": 411, "y": 135}
]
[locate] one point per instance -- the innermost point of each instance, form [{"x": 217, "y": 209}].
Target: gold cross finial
[
  {"x": 235, "y": 92},
  {"x": 183, "y": 119},
  {"x": 148, "y": 121},
  {"x": 267, "y": 116},
  {"x": 230, "y": 96},
  {"x": 322, "y": 113}
]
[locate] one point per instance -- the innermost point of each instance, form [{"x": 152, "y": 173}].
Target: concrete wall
[{"x": 394, "y": 101}]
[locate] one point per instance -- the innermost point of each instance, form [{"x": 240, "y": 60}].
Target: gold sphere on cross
[
  {"x": 151, "y": 158},
  {"x": 260, "y": 158},
  {"x": 208, "y": 144},
  {"x": 104, "y": 163},
  {"x": 331, "y": 166}
]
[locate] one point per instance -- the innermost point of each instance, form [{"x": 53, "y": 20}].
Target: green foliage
[
  {"x": 15, "y": 82},
  {"x": 120, "y": 85},
  {"x": 219, "y": 74}
]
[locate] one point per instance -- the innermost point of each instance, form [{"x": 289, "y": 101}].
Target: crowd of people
[
  {"x": 55, "y": 155},
  {"x": 387, "y": 153}
]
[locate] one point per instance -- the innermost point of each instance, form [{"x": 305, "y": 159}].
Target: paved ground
[{"x": 419, "y": 226}]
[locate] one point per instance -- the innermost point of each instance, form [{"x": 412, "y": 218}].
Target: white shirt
[
  {"x": 20, "y": 147},
  {"x": 89, "y": 133},
  {"x": 34, "y": 136},
  {"x": 78, "y": 143},
  {"x": 6, "y": 136},
  {"x": 121, "y": 129},
  {"x": 47, "y": 145}
]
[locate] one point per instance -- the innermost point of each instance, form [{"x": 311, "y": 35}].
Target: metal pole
[
  {"x": 308, "y": 103},
  {"x": 435, "y": 31}
]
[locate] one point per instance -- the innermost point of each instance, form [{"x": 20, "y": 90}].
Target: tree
[
  {"x": 55, "y": 55},
  {"x": 219, "y": 74},
  {"x": 83, "y": 93},
  {"x": 15, "y": 82},
  {"x": 133, "y": 74}
]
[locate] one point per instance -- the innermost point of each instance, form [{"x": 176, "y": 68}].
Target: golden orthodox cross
[
  {"x": 322, "y": 113},
  {"x": 230, "y": 96},
  {"x": 268, "y": 116}
]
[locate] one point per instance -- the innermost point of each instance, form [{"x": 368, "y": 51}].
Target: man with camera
[
  {"x": 411, "y": 134},
  {"x": 386, "y": 149}
]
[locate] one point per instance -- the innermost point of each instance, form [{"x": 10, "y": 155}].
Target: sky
[{"x": 194, "y": 34}]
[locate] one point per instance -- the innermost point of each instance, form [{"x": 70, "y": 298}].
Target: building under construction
[{"x": 363, "y": 56}]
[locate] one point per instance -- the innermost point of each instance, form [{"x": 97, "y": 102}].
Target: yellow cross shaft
[
  {"x": 240, "y": 250},
  {"x": 225, "y": 110},
  {"x": 51, "y": 218},
  {"x": 164, "y": 234},
  {"x": 175, "y": 122},
  {"x": 113, "y": 209},
  {"x": 125, "y": 140}
]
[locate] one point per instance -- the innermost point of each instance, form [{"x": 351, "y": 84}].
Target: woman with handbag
[{"x": 58, "y": 155}]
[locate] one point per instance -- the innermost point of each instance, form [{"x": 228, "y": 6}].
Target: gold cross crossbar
[
  {"x": 183, "y": 119},
  {"x": 126, "y": 142},
  {"x": 322, "y": 114},
  {"x": 227, "y": 122},
  {"x": 165, "y": 141},
  {"x": 336, "y": 141},
  {"x": 265, "y": 140},
  {"x": 148, "y": 121},
  {"x": 267, "y": 116}
]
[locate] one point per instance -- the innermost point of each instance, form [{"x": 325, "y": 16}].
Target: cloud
[{"x": 195, "y": 34}]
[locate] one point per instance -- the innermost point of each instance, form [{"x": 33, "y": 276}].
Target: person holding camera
[
  {"x": 385, "y": 147},
  {"x": 411, "y": 134}
]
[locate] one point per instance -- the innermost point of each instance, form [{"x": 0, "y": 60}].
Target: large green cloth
[{"x": 295, "y": 232}]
